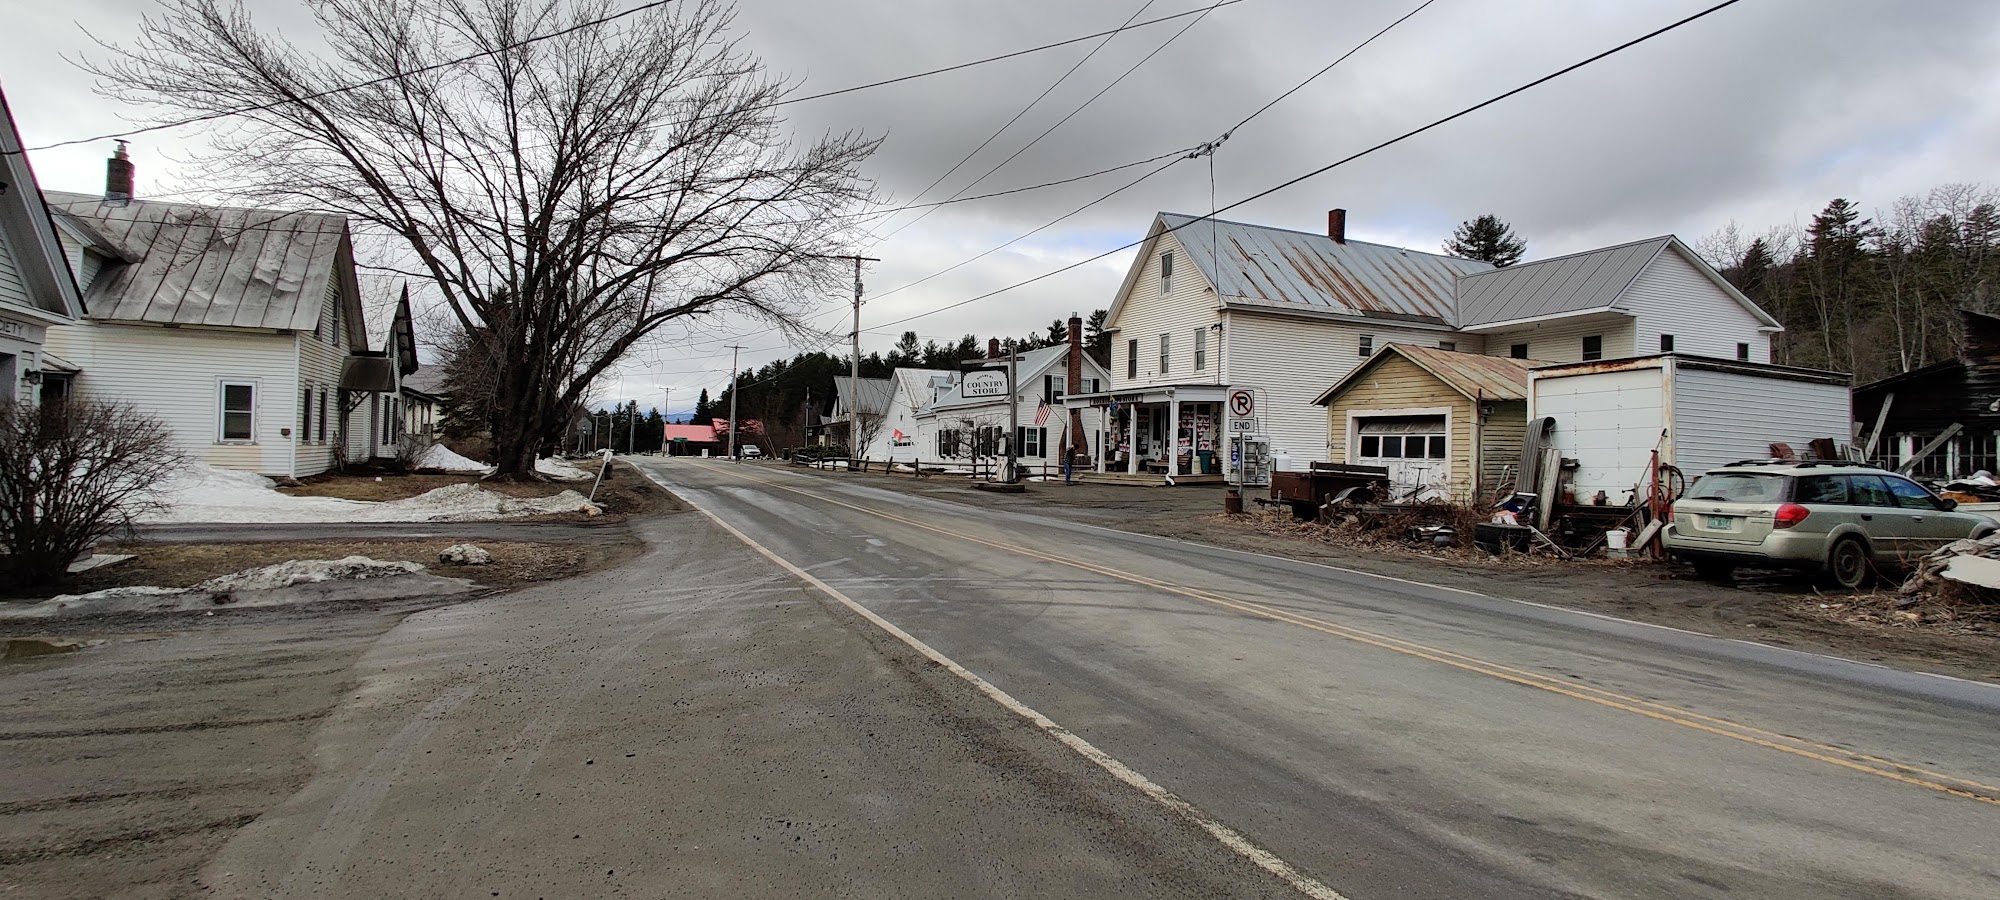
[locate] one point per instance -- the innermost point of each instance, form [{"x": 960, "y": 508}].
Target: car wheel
[
  {"x": 1847, "y": 564},
  {"x": 1713, "y": 569}
]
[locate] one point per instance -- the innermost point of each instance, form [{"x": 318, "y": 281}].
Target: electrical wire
[{"x": 1335, "y": 164}]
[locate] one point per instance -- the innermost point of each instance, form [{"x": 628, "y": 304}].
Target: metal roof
[
  {"x": 871, "y": 394},
  {"x": 216, "y": 266},
  {"x": 916, "y": 385},
  {"x": 1476, "y": 376},
  {"x": 28, "y": 227},
  {"x": 1565, "y": 284},
  {"x": 1278, "y": 268}
]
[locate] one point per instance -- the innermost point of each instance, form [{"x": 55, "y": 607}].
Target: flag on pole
[
  {"x": 898, "y": 434},
  {"x": 1042, "y": 412}
]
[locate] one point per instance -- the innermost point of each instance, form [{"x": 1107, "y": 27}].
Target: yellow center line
[{"x": 1802, "y": 747}]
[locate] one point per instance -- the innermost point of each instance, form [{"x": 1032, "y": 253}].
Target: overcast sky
[{"x": 1758, "y": 114}]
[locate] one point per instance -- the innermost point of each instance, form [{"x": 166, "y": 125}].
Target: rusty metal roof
[
  {"x": 200, "y": 265},
  {"x": 1277, "y": 267},
  {"x": 1475, "y": 376},
  {"x": 1580, "y": 281}
]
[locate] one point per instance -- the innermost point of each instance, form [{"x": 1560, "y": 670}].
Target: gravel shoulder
[{"x": 1771, "y": 608}]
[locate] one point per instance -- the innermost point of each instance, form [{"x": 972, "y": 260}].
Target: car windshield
[{"x": 1738, "y": 487}]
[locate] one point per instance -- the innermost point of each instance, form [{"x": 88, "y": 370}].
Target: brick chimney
[
  {"x": 992, "y": 348},
  {"x": 1079, "y": 443},
  {"x": 118, "y": 177},
  {"x": 1336, "y": 225}
]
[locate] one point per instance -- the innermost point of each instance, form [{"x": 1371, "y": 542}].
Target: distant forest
[{"x": 1875, "y": 294}]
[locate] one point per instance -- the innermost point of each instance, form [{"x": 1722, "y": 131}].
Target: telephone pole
[
  {"x": 733, "y": 351},
  {"x": 854, "y": 360}
]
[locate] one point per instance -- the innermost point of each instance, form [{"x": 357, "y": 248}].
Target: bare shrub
[{"x": 71, "y": 473}]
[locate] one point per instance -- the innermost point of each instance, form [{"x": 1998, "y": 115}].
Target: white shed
[{"x": 1699, "y": 412}]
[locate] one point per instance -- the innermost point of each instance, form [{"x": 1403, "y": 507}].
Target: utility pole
[
  {"x": 733, "y": 351},
  {"x": 854, "y": 359}
]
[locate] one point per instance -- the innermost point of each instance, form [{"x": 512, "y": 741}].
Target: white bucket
[{"x": 1615, "y": 538}]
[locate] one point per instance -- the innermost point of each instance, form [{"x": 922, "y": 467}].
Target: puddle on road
[{"x": 30, "y": 648}]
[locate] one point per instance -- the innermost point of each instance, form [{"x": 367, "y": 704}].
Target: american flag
[{"x": 1042, "y": 412}]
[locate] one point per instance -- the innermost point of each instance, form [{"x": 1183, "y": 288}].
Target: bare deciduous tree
[
  {"x": 71, "y": 473},
  {"x": 568, "y": 194}
]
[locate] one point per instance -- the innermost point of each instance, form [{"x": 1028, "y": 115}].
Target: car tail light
[{"x": 1790, "y": 514}]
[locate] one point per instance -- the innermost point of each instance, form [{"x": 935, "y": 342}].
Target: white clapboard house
[
  {"x": 37, "y": 290},
  {"x": 242, "y": 329},
  {"x": 957, "y": 428},
  {"x": 1209, "y": 307}
]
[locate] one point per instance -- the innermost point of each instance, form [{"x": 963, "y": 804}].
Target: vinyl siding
[
  {"x": 1145, "y": 315},
  {"x": 1398, "y": 383},
  {"x": 1288, "y": 361},
  {"x": 320, "y": 362},
  {"x": 1712, "y": 426},
  {"x": 1031, "y": 391},
  {"x": 1609, "y": 422},
  {"x": 1500, "y": 439},
  {"x": 1671, "y": 296},
  {"x": 1560, "y": 341},
  {"x": 12, "y": 289},
  {"x": 174, "y": 373}
]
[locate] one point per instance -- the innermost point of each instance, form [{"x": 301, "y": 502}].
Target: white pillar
[
  {"x": 1097, "y": 454},
  {"x": 1173, "y": 438},
  {"x": 1132, "y": 439}
]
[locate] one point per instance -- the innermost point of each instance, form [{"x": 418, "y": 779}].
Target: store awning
[{"x": 1185, "y": 393}]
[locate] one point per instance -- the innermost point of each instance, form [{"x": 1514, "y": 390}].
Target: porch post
[
  {"x": 1173, "y": 438},
  {"x": 1132, "y": 441},
  {"x": 1097, "y": 452}
]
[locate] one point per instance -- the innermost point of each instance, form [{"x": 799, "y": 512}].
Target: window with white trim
[
  {"x": 1166, "y": 343},
  {"x": 322, "y": 414},
  {"x": 1593, "y": 348},
  {"x": 1132, "y": 358},
  {"x": 1031, "y": 440},
  {"x": 1166, "y": 272},
  {"x": 1052, "y": 387},
  {"x": 306, "y": 414},
  {"x": 237, "y": 423},
  {"x": 1366, "y": 345},
  {"x": 1200, "y": 349}
]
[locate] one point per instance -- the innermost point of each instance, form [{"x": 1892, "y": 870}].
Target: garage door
[{"x": 1414, "y": 450}]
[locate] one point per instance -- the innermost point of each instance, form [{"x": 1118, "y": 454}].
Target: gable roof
[
  {"x": 1474, "y": 376},
  {"x": 1031, "y": 366},
  {"x": 871, "y": 395},
  {"x": 1261, "y": 266},
  {"x": 693, "y": 433},
  {"x": 28, "y": 229},
  {"x": 915, "y": 385},
  {"x": 1583, "y": 281},
  {"x": 216, "y": 266}
]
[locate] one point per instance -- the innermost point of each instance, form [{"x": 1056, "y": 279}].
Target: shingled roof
[{"x": 213, "y": 266}]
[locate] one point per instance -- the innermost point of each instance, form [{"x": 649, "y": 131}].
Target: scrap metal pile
[{"x": 1966, "y": 571}]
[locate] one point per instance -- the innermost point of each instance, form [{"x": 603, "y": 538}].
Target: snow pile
[
  {"x": 561, "y": 470},
  {"x": 441, "y": 458},
  {"x": 205, "y": 495},
  {"x": 308, "y": 571},
  {"x": 465, "y": 555},
  {"x": 118, "y": 593}
]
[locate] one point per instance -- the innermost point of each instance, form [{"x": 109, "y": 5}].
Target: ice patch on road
[{"x": 201, "y": 494}]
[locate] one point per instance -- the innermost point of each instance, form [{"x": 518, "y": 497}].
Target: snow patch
[
  {"x": 442, "y": 458},
  {"x": 308, "y": 571},
  {"x": 208, "y": 495},
  {"x": 561, "y": 470}
]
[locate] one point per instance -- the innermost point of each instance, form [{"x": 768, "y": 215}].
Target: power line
[
  {"x": 1335, "y": 164},
  {"x": 596, "y": 22},
  {"x": 1065, "y": 119},
  {"x": 1205, "y": 150},
  {"x": 1031, "y": 105}
]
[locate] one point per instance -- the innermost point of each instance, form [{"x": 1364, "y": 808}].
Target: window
[
  {"x": 1437, "y": 446},
  {"x": 1829, "y": 489},
  {"x": 1392, "y": 446},
  {"x": 1132, "y": 358},
  {"x": 1165, "y": 343},
  {"x": 1666, "y": 343},
  {"x": 947, "y": 443},
  {"x": 306, "y": 415},
  {"x": 1739, "y": 487},
  {"x": 1910, "y": 495},
  {"x": 1743, "y": 352},
  {"x": 239, "y": 411},
  {"x": 1367, "y": 345},
  {"x": 1052, "y": 387},
  {"x": 1868, "y": 490},
  {"x": 1031, "y": 440},
  {"x": 1447, "y": 345},
  {"x": 1518, "y": 351},
  {"x": 322, "y": 415},
  {"x": 1200, "y": 349},
  {"x": 1093, "y": 384},
  {"x": 1371, "y": 446},
  {"x": 1593, "y": 347},
  {"x": 1167, "y": 272}
]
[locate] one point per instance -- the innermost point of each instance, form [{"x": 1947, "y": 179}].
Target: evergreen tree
[
  {"x": 703, "y": 410},
  {"x": 1486, "y": 239},
  {"x": 1058, "y": 333},
  {"x": 1754, "y": 269},
  {"x": 1096, "y": 341}
]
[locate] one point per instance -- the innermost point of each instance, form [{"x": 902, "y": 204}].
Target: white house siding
[
  {"x": 176, "y": 375},
  {"x": 12, "y": 288},
  {"x": 1559, "y": 340},
  {"x": 1146, "y": 314},
  {"x": 1723, "y": 417},
  {"x": 320, "y": 361},
  {"x": 909, "y": 398},
  {"x": 1671, "y": 297},
  {"x": 1608, "y": 421},
  {"x": 1288, "y": 361},
  {"x": 20, "y": 352},
  {"x": 1029, "y": 398}
]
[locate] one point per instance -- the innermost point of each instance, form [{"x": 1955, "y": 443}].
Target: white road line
[{"x": 1223, "y": 834}]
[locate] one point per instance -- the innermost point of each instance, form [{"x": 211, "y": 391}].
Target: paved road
[{"x": 1391, "y": 739}]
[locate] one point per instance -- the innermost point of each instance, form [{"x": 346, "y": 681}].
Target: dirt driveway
[{"x": 1772, "y": 608}]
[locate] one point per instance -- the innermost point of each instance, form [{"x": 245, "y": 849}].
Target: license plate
[{"x": 1719, "y": 523}]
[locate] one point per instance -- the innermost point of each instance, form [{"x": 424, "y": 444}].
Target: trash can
[{"x": 1204, "y": 462}]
